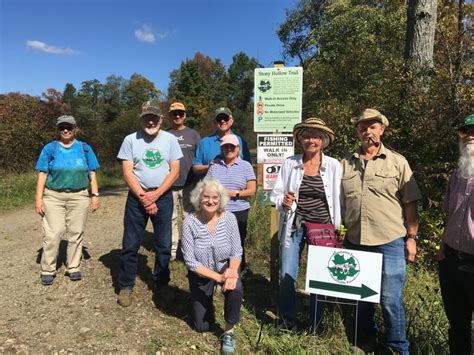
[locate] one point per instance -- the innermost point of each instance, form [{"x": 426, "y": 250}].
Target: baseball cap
[
  {"x": 468, "y": 121},
  {"x": 151, "y": 107},
  {"x": 66, "y": 119},
  {"x": 230, "y": 139},
  {"x": 222, "y": 111},
  {"x": 177, "y": 106},
  {"x": 370, "y": 114}
]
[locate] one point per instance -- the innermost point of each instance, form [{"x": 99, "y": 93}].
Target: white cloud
[
  {"x": 145, "y": 34},
  {"x": 39, "y": 46}
]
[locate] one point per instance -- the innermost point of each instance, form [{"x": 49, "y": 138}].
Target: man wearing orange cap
[
  {"x": 188, "y": 140},
  {"x": 379, "y": 198}
]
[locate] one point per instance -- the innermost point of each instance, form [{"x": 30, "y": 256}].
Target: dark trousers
[
  {"x": 242, "y": 217},
  {"x": 135, "y": 221},
  {"x": 202, "y": 290},
  {"x": 456, "y": 277}
]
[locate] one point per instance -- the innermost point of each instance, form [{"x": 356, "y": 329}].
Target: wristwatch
[
  {"x": 411, "y": 236},
  {"x": 237, "y": 195},
  {"x": 96, "y": 194}
]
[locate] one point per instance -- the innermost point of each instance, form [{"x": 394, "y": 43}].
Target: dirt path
[{"x": 84, "y": 316}]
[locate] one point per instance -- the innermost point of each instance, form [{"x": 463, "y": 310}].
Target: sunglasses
[
  {"x": 467, "y": 132},
  {"x": 221, "y": 118},
  {"x": 63, "y": 127},
  {"x": 178, "y": 113}
]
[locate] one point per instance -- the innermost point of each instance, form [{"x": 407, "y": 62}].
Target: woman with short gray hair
[{"x": 212, "y": 253}]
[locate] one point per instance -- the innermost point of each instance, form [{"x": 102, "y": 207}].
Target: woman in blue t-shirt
[{"x": 65, "y": 168}]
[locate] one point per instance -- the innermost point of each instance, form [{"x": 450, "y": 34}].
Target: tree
[
  {"x": 69, "y": 97},
  {"x": 420, "y": 35},
  {"x": 138, "y": 90}
]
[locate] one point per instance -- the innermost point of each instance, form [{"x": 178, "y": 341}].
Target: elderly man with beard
[
  {"x": 456, "y": 255},
  {"x": 150, "y": 166}
]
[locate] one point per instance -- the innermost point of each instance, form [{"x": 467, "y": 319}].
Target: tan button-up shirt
[{"x": 373, "y": 196}]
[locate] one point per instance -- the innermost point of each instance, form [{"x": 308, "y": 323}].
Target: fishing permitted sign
[
  {"x": 344, "y": 273},
  {"x": 274, "y": 148}
]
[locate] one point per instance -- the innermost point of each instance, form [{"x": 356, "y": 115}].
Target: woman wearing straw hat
[{"x": 306, "y": 191}]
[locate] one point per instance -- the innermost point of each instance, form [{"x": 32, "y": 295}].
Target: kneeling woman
[{"x": 212, "y": 253}]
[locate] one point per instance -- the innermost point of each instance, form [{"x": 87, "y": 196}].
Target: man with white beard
[
  {"x": 150, "y": 166},
  {"x": 456, "y": 255}
]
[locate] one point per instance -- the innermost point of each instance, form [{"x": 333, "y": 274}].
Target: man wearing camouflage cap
[
  {"x": 210, "y": 147},
  {"x": 456, "y": 255},
  {"x": 150, "y": 166},
  {"x": 379, "y": 197}
]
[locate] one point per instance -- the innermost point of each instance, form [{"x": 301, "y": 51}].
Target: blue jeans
[
  {"x": 135, "y": 221},
  {"x": 391, "y": 300},
  {"x": 289, "y": 265}
]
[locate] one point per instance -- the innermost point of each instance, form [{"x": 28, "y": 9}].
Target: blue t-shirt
[
  {"x": 151, "y": 157},
  {"x": 233, "y": 177},
  {"x": 210, "y": 148},
  {"x": 67, "y": 167}
]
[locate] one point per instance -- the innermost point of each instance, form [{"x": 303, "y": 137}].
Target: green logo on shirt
[
  {"x": 343, "y": 267},
  {"x": 152, "y": 158}
]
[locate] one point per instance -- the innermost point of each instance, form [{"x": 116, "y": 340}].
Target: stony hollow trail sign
[{"x": 344, "y": 273}]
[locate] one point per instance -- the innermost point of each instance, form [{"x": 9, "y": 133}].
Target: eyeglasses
[
  {"x": 464, "y": 133},
  {"x": 63, "y": 127},
  {"x": 224, "y": 118},
  {"x": 209, "y": 198},
  {"x": 178, "y": 113},
  {"x": 228, "y": 147},
  {"x": 308, "y": 138}
]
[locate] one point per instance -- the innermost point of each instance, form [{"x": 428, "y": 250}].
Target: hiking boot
[
  {"x": 47, "y": 280},
  {"x": 227, "y": 343},
  {"x": 74, "y": 276},
  {"x": 125, "y": 297}
]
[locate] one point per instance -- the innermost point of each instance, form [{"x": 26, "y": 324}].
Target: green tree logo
[
  {"x": 343, "y": 267},
  {"x": 264, "y": 85},
  {"x": 152, "y": 158}
]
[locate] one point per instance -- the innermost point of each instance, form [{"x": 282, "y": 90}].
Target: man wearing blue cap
[{"x": 456, "y": 255}]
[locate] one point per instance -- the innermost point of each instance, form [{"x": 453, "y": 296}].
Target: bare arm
[
  {"x": 209, "y": 274},
  {"x": 411, "y": 220},
  {"x": 40, "y": 184},
  {"x": 130, "y": 179},
  {"x": 147, "y": 198},
  {"x": 249, "y": 190},
  {"x": 200, "y": 169},
  {"x": 94, "y": 189}
]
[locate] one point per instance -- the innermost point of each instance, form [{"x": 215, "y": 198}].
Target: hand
[
  {"x": 229, "y": 284},
  {"x": 95, "y": 203},
  {"x": 231, "y": 273},
  {"x": 39, "y": 207},
  {"x": 410, "y": 247},
  {"x": 151, "y": 209},
  {"x": 288, "y": 200},
  {"x": 148, "y": 198}
]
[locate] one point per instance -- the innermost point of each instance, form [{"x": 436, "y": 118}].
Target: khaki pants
[
  {"x": 181, "y": 207},
  {"x": 64, "y": 213}
]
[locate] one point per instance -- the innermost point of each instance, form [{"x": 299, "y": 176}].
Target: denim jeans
[
  {"x": 289, "y": 265},
  {"x": 135, "y": 221},
  {"x": 391, "y": 298}
]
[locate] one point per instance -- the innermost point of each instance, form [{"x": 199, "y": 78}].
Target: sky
[{"x": 48, "y": 43}]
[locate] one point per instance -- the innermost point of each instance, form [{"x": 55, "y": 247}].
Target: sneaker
[
  {"x": 125, "y": 297},
  {"x": 228, "y": 343},
  {"x": 47, "y": 280},
  {"x": 74, "y": 276},
  {"x": 287, "y": 327}
]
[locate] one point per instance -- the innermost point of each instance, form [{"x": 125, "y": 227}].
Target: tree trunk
[{"x": 421, "y": 26}]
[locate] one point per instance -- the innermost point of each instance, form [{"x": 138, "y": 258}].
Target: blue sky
[{"x": 48, "y": 43}]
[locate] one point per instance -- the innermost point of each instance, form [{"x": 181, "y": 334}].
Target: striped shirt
[
  {"x": 312, "y": 205},
  {"x": 210, "y": 250},
  {"x": 233, "y": 177}
]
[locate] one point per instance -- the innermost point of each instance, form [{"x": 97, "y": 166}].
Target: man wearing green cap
[
  {"x": 210, "y": 147},
  {"x": 379, "y": 198},
  {"x": 456, "y": 255},
  {"x": 150, "y": 166}
]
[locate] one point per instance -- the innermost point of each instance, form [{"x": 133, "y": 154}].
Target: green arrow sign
[{"x": 363, "y": 291}]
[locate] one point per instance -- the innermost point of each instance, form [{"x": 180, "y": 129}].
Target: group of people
[{"x": 199, "y": 190}]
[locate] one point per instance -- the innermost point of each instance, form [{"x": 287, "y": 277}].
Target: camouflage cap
[
  {"x": 151, "y": 107},
  {"x": 468, "y": 121},
  {"x": 370, "y": 114},
  {"x": 222, "y": 111}
]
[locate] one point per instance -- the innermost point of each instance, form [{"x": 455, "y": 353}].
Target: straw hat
[{"x": 313, "y": 123}]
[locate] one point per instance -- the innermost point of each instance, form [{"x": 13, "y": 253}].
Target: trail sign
[
  {"x": 278, "y": 98},
  {"x": 273, "y": 148},
  {"x": 344, "y": 273}
]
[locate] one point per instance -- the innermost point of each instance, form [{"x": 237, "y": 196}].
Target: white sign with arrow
[{"x": 344, "y": 273}]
